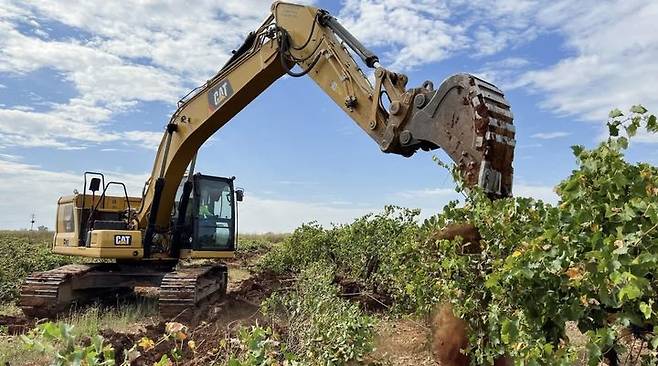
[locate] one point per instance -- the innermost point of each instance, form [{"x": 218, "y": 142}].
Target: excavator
[{"x": 182, "y": 214}]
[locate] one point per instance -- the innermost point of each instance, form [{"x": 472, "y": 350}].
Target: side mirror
[
  {"x": 239, "y": 195},
  {"x": 95, "y": 184}
]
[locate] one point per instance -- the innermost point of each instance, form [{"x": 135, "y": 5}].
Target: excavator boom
[{"x": 467, "y": 117}]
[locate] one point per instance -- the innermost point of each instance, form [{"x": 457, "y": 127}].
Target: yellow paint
[{"x": 111, "y": 253}]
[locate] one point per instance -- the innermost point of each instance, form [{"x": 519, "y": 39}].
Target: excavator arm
[{"x": 467, "y": 117}]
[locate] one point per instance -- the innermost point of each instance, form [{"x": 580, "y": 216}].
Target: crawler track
[
  {"x": 186, "y": 294},
  {"x": 46, "y": 294}
]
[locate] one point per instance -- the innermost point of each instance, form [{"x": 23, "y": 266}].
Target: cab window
[
  {"x": 65, "y": 222},
  {"x": 215, "y": 224}
]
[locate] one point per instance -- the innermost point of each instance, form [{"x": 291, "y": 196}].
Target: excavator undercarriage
[{"x": 184, "y": 293}]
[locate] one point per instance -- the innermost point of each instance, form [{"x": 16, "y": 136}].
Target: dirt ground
[{"x": 403, "y": 342}]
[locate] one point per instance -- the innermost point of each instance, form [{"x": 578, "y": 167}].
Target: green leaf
[
  {"x": 97, "y": 343},
  {"x": 615, "y": 113},
  {"x": 652, "y": 125},
  {"x": 613, "y": 129},
  {"x": 623, "y": 142},
  {"x": 646, "y": 310},
  {"x": 629, "y": 292},
  {"x": 51, "y": 329},
  {"x": 631, "y": 129},
  {"x": 27, "y": 340},
  {"x": 577, "y": 150},
  {"x": 638, "y": 109},
  {"x": 509, "y": 331},
  {"x": 164, "y": 360}
]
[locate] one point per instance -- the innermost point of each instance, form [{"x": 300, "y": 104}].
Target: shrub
[
  {"x": 322, "y": 328},
  {"x": 359, "y": 251},
  {"x": 590, "y": 260}
]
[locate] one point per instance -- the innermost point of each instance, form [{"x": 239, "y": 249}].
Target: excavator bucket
[{"x": 471, "y": 120}]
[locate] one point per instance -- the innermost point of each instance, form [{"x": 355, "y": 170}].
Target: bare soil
[
  {"x": 403, "y": 342},
  {"x": 238, "y": 308}
]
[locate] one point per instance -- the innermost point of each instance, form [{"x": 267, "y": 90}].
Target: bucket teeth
[{"x": 471, "y": 120}]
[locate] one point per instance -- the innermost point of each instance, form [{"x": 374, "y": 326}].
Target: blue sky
[{"x": 90, "y": 87}]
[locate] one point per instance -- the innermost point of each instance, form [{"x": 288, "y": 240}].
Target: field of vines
[
  {"x": 23, "y": 252},
  {"x": 590, "y": 261}
]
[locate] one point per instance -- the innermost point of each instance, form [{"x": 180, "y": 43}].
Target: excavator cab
[
  {"x": 210, "y": 224},
  {"x": 214, "y": 209}
]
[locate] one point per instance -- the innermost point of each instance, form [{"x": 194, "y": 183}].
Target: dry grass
[{"x": 125, "y": 318}]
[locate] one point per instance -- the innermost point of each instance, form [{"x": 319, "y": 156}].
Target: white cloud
[
  {"x": 645, "y": 137},
  {"x": 65, "y": 126},
  {"x": 28, "y": 189},
  {"x": 615, "y": 47},
  {"x": 550, "y": 135},
  {"x": 188, "y": 40},
  {"x": 297, "y": 183},
  {"x": 448, "y": 193},
  {"x": 544, "y": 193},
  {"x": 504, "y": 72},
  {"x": 529, "y": 146},
  {"x": 10, "y": 157},
  {"x": 258, "y": 214},
  {"x": 417, "y": 31},
  {"x": 106, "y": 83},
  {"x": 125, "y": 55}
]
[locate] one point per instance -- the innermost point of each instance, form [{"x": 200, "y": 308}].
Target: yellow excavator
[{"x": 184, "y": 215}]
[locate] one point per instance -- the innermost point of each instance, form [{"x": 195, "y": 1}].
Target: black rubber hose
[
  {"x": 284, "y": 47},
  {"x": 297, "y": 74}
]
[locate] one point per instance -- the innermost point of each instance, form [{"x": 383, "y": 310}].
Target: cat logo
[
  {"x": 219, "y": 94},
  {"x": 123, "y": 240}
]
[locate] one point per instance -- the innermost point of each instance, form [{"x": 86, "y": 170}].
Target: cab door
[{"x": 214, "y": 203}]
